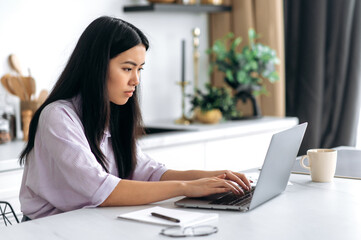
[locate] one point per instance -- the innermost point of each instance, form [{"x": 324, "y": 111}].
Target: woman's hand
[
  {"x": 206, "y": 186},
  {"x": 239, "y": 178},
  {"x": 198, "y": 183},
  {"x": 192, "y": 183}
]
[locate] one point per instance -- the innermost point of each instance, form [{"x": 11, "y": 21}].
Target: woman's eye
[
  {"x": 127, "y": 69},
  {"x": 140, "y": 69}
]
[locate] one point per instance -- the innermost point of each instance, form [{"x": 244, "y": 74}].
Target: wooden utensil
[
  {"x": 17, "y": 86},
  {"x": 29, "y": 85},
  {"x": 26, "y": 118},
  {"x": 15, "y": 64},
  {"x": 4, "y": 82},
  {"x": 43, "y": 95}
]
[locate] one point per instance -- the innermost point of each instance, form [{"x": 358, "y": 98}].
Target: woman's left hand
[{"x": 239, "y": 178}]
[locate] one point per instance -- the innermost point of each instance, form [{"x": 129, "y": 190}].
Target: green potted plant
[
  {"x": 212, "y": 105},
  {"x": 246, "y": 69}
]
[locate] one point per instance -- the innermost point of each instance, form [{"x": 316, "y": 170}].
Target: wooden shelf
[{"x": 168, "y": 7}]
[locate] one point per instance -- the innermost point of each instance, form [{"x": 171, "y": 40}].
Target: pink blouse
[{"x": 62, "y": 174}]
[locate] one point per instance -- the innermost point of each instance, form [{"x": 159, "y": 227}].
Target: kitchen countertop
[
  {"x": 170, "y": 134},
  {"x": 200, "y": 132}
]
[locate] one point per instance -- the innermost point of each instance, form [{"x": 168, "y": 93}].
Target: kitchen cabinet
[
  {"x": 183, "y": 157},
  {"x": 235, "y": 145},
  {"x": 237, "y": 153}
]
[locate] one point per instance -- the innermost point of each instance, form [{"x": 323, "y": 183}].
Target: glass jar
[
  {"x": 4, "y": 131},
  {"x": 9, "y": 114}
]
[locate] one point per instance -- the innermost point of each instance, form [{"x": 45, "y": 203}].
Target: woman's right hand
[{"x": 207, "y": 186}]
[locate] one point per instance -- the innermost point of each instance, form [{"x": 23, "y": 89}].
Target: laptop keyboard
[{"x": 234, "y": 200}]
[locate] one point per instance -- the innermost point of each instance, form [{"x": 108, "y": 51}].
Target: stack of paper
[{"x": 186, "y": 218}]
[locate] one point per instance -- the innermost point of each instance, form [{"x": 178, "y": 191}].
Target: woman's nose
[{"x": 135, "y": 79}]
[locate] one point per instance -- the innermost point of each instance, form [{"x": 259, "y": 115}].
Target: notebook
[
  {"x": 186, "y": 218},
  {"x": 272, "y": 181}
]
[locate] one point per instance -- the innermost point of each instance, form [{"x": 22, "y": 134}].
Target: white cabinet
[
  {"x": 183, "y": 157},
  {"x": 238, "y": 153},
  {"x": 235, "y": 153},
  {"x": 236, "y": 145}
]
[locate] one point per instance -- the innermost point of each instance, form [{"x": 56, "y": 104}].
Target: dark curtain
[{"x": 323, "y": 69}]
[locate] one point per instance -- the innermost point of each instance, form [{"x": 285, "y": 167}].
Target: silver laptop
[{"x": 272, "y": 181}]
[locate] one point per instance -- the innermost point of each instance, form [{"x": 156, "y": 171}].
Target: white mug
[{"x": 322, "y": 164}]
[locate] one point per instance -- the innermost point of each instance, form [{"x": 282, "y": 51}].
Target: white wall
[
  {"x": 43, "y": 33},
  {"x": 358, "y": 137}
]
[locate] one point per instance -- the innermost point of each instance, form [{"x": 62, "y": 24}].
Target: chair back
[{"x": 7, "y": 214}]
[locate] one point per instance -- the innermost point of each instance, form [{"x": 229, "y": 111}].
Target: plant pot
[
  {"x": 209, "y": 117},
  {"x": 244, "y": 95},
  {"x": 245, "y": 92},
  {"x": 213, "y": 2}
]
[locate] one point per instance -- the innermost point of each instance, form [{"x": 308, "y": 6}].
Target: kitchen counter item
[
  {"x": 29, "y": 105},
  {"x": 187, "y": 1},
  {"x": 26, "y": 118},
  {"x": 29, "y": 85},
  {"x": 7, "y": 112},
  {"x": 196, "y": 54},
  {"x": 5, "y": 84},
  {"x": 15, "y": 64},
  {"x": 213, "y": 2},
  {"x": 209, "y": 117},
  {"x": 4, "y": 131},
  {"x": 16, "y": 85},
  {"x": 43, "y": 95}
]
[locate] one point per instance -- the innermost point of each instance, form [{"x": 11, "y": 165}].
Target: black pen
[{"x": 158, "y": 215}]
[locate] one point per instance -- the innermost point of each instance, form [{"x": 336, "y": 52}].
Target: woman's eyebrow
[{"x": 132, "y": 63}]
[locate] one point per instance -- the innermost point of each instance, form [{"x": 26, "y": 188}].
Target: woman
[{"x": 82, "y": 149}]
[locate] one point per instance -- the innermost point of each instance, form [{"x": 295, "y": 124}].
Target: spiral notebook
[{"x": 187, "y": 218}]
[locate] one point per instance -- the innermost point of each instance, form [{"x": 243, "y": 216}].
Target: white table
[{"x": 306, "y": 210}]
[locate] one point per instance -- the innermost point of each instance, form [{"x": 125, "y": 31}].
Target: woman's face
[{"x": 124, "y": 73}]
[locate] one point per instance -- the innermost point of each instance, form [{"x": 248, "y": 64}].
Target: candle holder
[
  {"x": 196, "y": 33},
  {"x": 183, "y": 119}
]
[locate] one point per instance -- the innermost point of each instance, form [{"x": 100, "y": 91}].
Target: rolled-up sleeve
[
  {"x": 70, "y": 177},
  {"x": 147, "y": 169}
]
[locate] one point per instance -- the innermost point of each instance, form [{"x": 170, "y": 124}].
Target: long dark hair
[{"x": 86, "y": 75}]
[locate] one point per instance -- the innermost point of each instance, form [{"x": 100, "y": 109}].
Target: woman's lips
[{"x": 129, "y": 93}]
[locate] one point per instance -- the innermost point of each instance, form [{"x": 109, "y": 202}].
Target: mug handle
[{"x": 303, "y": 164}]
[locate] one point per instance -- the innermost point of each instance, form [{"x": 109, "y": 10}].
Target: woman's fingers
[
  {"x": 244, "y": 179},
  {"x": 234, "y": 187},
  {"x": 239, "y": 178},
  {"x": 219, "y": 184},
  {"x": 222, "y": 176},
  {"x": 229, "y": 185}
]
